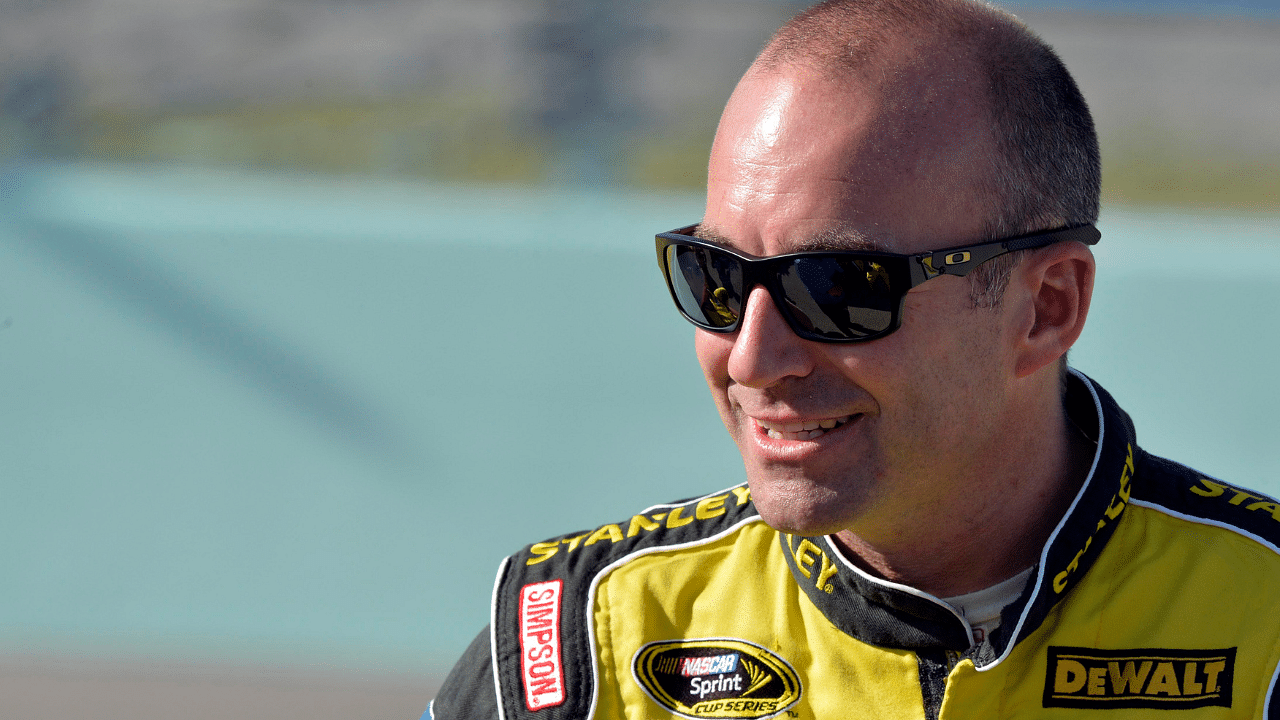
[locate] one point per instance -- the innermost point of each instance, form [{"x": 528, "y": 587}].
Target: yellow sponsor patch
[
  {"x": 716, "y": 678},
  {"x": 1138, "y": 678}
]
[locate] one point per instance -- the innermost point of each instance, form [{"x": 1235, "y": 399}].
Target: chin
[{"x": 803, "y": 508}]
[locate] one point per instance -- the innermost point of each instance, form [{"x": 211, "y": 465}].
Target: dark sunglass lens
[
  {"x": 707, "y": 284},
  {"x": 839, "y": 298}
]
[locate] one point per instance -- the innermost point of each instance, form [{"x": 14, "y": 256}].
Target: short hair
[{"x": 1045, "y": 172}]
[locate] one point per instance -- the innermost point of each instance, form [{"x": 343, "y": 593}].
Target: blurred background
[{"x": 313, "y": 310}]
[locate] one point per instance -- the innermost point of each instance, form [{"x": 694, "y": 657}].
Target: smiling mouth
[{"x": 807, "y": 430}]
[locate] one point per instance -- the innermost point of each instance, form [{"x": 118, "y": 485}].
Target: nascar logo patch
[
  {"x": 1141, "y": 678},
  {"x": 716, "y": 678}
]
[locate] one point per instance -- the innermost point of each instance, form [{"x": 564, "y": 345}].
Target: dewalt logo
[{"x": 1146, "y": 678}]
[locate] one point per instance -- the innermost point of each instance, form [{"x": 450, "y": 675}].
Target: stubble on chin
[{"x": 793, "y": 503}]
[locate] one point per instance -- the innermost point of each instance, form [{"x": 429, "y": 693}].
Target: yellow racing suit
[{"x": 1156, "y": 596}]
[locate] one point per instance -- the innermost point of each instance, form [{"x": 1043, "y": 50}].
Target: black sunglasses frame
[{"x": 919, "y": 268}]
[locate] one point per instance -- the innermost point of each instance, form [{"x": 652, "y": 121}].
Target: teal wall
[{"x": 287, "y": 419}]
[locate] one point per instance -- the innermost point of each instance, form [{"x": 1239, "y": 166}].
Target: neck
[{"x": 994, "y": 522}]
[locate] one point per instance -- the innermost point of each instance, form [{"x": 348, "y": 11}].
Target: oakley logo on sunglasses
[
  {"x": 829, "y": 296},
  {"x": 955, "y": 258}
]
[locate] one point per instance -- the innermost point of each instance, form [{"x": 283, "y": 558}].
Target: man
[{"x": 940, "y": 519}]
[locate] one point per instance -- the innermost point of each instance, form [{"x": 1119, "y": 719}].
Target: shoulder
[
  {"x": 1196, "y": 564},
  {"x": 560, "y": 576},
  {"x": 1214, "y": 506},
  {"x": 681, "y": 524},
  {"x": 537, "y": 654},
  {"x": 1211, "y": 543}
]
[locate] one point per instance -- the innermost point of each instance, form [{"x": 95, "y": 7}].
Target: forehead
[{"x": 806, "y": 162}]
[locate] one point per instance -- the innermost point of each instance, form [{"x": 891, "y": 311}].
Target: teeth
[{"x": 807, "y": 430}]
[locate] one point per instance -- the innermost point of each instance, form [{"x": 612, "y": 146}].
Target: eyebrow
[
  {"x": 711, "y": 235},
  {"x": 827, "y": 240}
]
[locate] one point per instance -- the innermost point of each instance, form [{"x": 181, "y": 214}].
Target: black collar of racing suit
[{"x": 891, "y": 615}]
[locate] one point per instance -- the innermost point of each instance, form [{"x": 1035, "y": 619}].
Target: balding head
[{"x": 930, "y": 57}]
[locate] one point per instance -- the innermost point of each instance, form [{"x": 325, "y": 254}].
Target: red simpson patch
[{"x": 540, "y": 663}]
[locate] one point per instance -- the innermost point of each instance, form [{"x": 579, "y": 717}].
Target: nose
[{"x": 765, "y": 350}]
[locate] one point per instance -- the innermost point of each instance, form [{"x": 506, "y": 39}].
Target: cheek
[
  {"x": 713, "y": 351},
  {"x": 951, "y": 370}
]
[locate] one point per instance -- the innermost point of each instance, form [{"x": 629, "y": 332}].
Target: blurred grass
[
  {"x": 1144, "y": 166},
  {"x": 474, "y": 137},
  {"x": 460, "y": 137}
]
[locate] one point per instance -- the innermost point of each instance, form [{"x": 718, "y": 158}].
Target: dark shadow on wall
[{"x": 222, "y": 336}]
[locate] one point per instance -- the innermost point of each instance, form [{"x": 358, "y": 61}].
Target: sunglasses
[{"x": 837, "y": 296}]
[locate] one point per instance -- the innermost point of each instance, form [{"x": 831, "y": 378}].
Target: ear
[{"x": 1058, "y": 284}]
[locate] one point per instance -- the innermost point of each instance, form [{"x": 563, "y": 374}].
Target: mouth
[{"x": 804, "y": 430}]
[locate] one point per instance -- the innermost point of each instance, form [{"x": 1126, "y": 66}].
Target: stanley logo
[
  {"x": 716, "y": 678},
  {"x": 1147, "y": 678}
]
